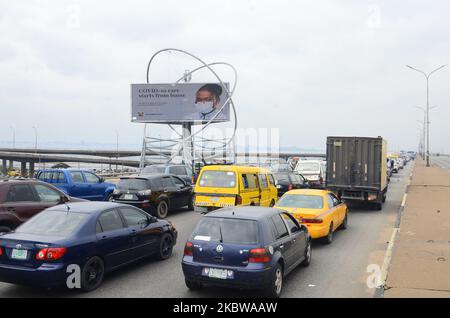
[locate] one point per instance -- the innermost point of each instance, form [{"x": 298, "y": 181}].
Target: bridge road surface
[
  {"x": 337, "y": 270},
  {"x": 442, "y": 161}
]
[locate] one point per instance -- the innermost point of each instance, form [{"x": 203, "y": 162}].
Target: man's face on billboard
[{"x": 205, "y": 96}]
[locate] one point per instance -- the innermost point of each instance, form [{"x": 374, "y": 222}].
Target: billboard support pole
[
  {"x": 185, "y": 142},
  {"x": 188, "y": 146}
]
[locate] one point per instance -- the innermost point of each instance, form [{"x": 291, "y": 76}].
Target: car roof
[
  {"x": 164, "y": 165},
  {"x": 308, "y": 191},
  {"x": 148, "y": 176},
  {"x": 7, "y": 181},
  {"x": 244, "y": 212},
  {"x": 236, "y": 168},
  {"x": 90, "y": 207}
]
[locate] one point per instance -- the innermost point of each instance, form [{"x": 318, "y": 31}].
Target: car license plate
[
  {"x": 19, "y": 254},
  {"x": 214, "y": 199},
  {"x": 128, "y": 197},
  {"x": 218, "y": 273}
]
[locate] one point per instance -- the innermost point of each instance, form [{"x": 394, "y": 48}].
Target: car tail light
[
  {"x": 259, "y": 255},
  {"x": 238, "y": 200},
  {"x": 193, "y": 179},
  {"x": 1, "y": 251},
  {"x": 290, "y": 186},
  {"x": 321, "y": 180},
  {"x": 303, "y": 220},
  {"x": 51, "y": 254},
  {"x": 145, "y": 192},
  {"x": 189, "y": 249}
]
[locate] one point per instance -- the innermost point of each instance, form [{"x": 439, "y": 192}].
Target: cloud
[{"x": 317, "y": 68}]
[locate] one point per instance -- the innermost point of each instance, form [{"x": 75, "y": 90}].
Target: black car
[
  {"x": 156, "y": 194},
  {"x": 289, "y": 180},
  {"x": 245, "y": 247},
  {"x": 180, "y": 171}
]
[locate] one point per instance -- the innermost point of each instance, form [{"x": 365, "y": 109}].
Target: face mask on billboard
[{"x": 205, "y": 107}]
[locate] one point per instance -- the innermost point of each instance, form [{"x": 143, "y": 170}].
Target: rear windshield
[
  {"x": 133, "y": 184},
  {"x": 53, "y": 223},
  {"x": 232, "y": 231},
  {"x": 282, "y": 176},
  {"x": 217, "y": 179},
  {"x": 301, "y": 201},
  {"x": 153, "y": 169},
  {"x": 308, "y": 166}
]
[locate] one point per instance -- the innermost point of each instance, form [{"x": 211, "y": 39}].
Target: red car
[{"x": 23, "y": 198}]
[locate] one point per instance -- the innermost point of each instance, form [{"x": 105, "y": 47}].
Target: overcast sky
[{"x": 309, "y": 68}]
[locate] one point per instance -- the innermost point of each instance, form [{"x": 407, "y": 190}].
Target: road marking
[
  {"x": 388, "y": 257},
  {"x": 404, "y": 200}
]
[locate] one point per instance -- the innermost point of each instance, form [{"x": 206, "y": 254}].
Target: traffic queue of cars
[{"x": 247, "y": 239}]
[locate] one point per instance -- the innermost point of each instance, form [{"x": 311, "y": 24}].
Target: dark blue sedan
[
  {"x": 245, "y": 247},
  {"x": 86, "y": 238}
]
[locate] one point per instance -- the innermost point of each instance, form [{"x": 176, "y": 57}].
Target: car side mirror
[
  {"x": 63, "y": 199},
  {"x": 101, "y": 180}
]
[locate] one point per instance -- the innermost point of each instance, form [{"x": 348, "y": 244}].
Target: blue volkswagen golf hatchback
[
  {"x": 97, "y": 237},
  {"x": 245, "y": 247}
]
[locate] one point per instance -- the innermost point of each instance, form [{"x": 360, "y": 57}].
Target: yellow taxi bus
[{"x": 221, "y": 186}]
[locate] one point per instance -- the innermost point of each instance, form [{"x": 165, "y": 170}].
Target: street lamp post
[
  {"x": 36, "y": 142},
  {"x": 427, "y": 76},
  {"x": 117, "y": 148},
  {"x": 13, "y": 136},
  {"x": 424, "y": 125}
]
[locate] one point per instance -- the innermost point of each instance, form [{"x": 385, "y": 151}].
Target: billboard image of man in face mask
[{"x": 207, "y": 101}]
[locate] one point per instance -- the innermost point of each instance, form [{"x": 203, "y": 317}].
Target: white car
[{"x": 313, "y": 171}]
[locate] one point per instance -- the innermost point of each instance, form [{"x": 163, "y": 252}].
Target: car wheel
[
  {"x": 191, "y": 203},
  {"x": 110, "y": 197},
  {"x": 165, "y": 246},
  {"x": 162, "y": 209},
  {"x": 329, "y": 237},
  {"x": 92, "y": 274},
  {"x": 345, "y": 222},
  {"x": 276, "y": 285},
  {"x": 5, "y": 229},
  {"x": 308, "y": 254},
  {"x": 193, "y": 285}
]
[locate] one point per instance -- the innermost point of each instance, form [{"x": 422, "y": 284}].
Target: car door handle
[
  {"x": 11, "y": 209},
  {"x": 133, "y": 232},
  {"x": 281, "y": 246},
  {"x": 104, "y": 237}
]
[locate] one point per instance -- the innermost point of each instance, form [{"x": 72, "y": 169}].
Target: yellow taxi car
[
  {"x": 221, "y": 186},
  {"x": 320, "y": 210}
]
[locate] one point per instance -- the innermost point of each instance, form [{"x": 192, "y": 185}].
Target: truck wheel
[{"x": 378, "y": 206}]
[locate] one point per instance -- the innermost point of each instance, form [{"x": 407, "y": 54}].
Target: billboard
[{"x": 178, "y": 103}]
